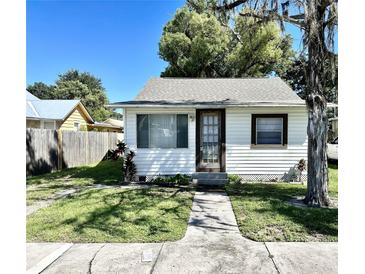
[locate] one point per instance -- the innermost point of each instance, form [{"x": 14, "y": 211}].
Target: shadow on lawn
[
  {"x": 315, "y": 220},
  {"x": 105, "y": 172},
  {"x": 128, "y": 209}
]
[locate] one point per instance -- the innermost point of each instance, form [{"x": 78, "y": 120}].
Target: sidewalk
[{"x": 212, "y": 244}]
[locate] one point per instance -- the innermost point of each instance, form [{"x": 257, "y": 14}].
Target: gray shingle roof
[{"x": 218, "y": 90}]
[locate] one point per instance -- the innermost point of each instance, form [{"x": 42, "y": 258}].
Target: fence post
[
  {"x": 87, "y": 148},
  {"x": 59, "y": 147}
]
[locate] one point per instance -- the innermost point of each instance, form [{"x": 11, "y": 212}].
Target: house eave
[{"x": 203, "y": 104}]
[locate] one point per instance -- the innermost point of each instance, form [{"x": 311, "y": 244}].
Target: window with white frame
[
  {"x": 77, "y": 126},
  {"x": 269, "y": 129},
  {"x": 162, "y": 130}
]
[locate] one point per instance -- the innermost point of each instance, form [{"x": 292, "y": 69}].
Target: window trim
[
  {"x": 284, "y": 141},
  {"x": 78, "y": 126},
  {"x": 167, "y": 113},
  {"x": 42, "y": 124}
]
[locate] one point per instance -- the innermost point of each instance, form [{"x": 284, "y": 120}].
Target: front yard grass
[
  {"x": 45, "y": 186},
  {"x": 263, "y": 214},
  {"x": 114, "y": 215}
]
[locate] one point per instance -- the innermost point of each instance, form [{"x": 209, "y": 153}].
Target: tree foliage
[
  {"x": 198, "y": 43},
  {"x": 76, "y": 85},
  {"x": 41, "y": 90},
  {"x": 295, "y": 76},
  {"x": 317, "y": 20}
]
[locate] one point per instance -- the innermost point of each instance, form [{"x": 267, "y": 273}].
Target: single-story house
[
  {"x": 56, "y": 114},
  {"x": 255, "y": 128}
]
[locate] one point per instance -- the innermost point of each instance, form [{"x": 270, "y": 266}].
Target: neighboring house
[
  {"x": 255, "y": 128},
  {"x": 109, "y": 125},
  {"x": 56, "y": 114},
  {"x": 332, "y": 121}
]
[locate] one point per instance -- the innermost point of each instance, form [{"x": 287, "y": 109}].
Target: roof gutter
[{"x": 203, "y": 105}]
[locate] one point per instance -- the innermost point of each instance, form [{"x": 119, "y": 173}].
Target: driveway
[{"x": 212, "y": 244}]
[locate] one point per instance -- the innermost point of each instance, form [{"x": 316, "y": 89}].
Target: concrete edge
[{"x": 46, "y": 261}]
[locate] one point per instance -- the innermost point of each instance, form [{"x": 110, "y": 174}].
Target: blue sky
[{"x": 116, "y": 41}]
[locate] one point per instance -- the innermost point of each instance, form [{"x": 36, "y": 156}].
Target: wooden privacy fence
[{"x": 49, "y": 150}]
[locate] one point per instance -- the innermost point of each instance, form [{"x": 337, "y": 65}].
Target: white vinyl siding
[
  {"x": 242, "y": 158},
  {"x": 161, "y": 161}
]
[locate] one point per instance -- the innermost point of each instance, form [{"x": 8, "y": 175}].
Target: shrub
[
  {"x": 130, "y": 169},
  {"x": 234, "y": 179},
  {"x": 176, "y": 180}
]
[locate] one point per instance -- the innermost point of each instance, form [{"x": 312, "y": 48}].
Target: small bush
[
  {"x": 176, "y": 180},
  {"x": 234, "y": 179}
]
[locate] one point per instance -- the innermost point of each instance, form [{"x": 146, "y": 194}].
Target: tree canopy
[
  {"x": 295, "y": 75},
  {"x": 76, "y": 85},
  {"x": 197, "y": 43},
  {"x": 317, "y": 19}
]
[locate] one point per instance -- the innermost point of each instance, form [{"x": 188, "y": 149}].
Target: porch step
[
  {"x": 211, "y": 178},
  {"x": 212, "y": 182}
]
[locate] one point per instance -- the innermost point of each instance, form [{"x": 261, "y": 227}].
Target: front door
[{"x": 210, "y": 140}]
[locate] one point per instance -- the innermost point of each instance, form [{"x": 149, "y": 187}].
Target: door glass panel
[
  {"x": 205, "y": 120},
  {"x": 216, "y": 120},
  {"x": 210, "y": 139}
]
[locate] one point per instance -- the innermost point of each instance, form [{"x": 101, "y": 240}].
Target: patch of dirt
[{"x": 298, "y": 202}]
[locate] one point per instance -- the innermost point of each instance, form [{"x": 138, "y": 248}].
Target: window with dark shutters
[{"x": 162, "y": 130}]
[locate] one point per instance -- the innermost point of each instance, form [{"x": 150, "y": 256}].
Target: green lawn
[
  {"x": 263, "y": 214},
  {"x": 114, "y": 215},
  {"x": 46, "y": 186}
]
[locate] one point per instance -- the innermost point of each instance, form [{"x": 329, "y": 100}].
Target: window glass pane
[
  {"x": 215, "y": 120},
  {"x": 269, "y": 124},
  {"x": 269, "y": 130},
  {"x": 264, "y": 137},
  {"x": 205, "y": 120},
  {"x": 48, "y": 125},
  {"x": 142, "y": 131},
  {"x": 205, "y": 129},
  {"x": 163, "y": 131},
  {"x": 182, "y": 130}
]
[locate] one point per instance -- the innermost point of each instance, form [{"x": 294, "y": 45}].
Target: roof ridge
[{"x": 218, "y": 78}]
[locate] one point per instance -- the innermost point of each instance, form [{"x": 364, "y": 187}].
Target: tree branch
[
  {"x": 274, "y": 16},
  {"x": 232, "y": 5}
]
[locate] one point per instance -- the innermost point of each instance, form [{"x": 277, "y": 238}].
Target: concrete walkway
[{"x": 212, "y": 244}]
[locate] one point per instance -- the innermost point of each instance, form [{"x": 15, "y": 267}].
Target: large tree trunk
[{"x": 317, "y": 189}]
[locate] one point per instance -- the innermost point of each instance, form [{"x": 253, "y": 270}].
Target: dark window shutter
[
  {"x": 142, "y": 131},
  {"x": 253, "y": 129},
  {"x": 285, "y": 129},
  {"x": 182, "y": 130}
]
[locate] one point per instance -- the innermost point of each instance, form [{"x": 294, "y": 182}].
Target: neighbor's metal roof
[
  {"x": 50, "y": 109},
  {"x": 215, "y": 91},
  {"x": 30, "y": 96}
]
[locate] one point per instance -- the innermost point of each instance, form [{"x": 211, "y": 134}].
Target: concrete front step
[
  {"x": 212, "y": 182},
  {"x": 211, "y": 178},
  {"x": 210, "y": 175}
]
